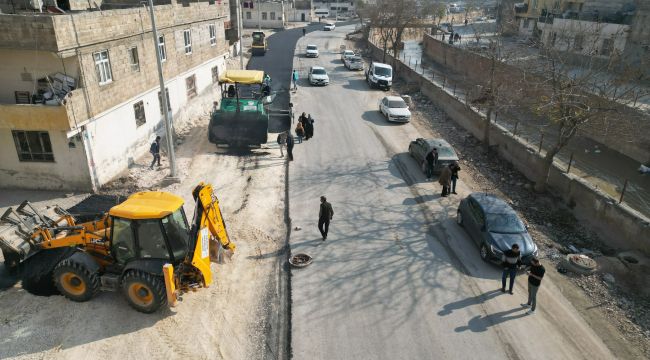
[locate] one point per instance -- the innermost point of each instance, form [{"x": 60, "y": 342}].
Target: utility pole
[
  {"x": 259, "y": 16},
  {"x": 239, "y": 31},
  {"x": 163, "y": 96}
]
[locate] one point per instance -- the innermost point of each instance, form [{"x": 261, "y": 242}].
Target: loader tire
[
  {"x": 75, "y": 280},
  {"x": 145, "y": 292},
  {"x": 37, "y": 272}
]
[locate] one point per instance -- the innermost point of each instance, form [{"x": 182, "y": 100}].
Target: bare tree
[
  {"x": 389, "y": 19},
  {"x": 597, "y": 87}
]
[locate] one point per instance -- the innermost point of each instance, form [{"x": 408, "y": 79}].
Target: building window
[
  {"x": 248, "y": 15},
  {"x": 578, "y": 42},
  {"x": 213, "y": 34},
  {"x": 215, "y": 74},
  {"x": 272, "y": 15},
  {"x": 133, "y": 58},
  {"x": 103, "y": 67},
  {"x": 190, "y": 85},
  {"x": 187, "y": 39},
  {"x": 33, "y": 145},
  {"x": 535, "y": 4},
  {"x": 526, "y": 23},
  {"x": 160, "y": 103},
  {"x": 607, "y": 47},
  {"x": 138, "y": 109},
  {"x": 161, "y": 48},
  {"x": 264, "y": 15}
]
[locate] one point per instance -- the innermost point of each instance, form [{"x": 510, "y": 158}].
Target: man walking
[
  {"x": 294, "y": 77},
  {"x": 155, "y": 151},
  {"x": 290, "y": 143},
  {"x": 455, "y": 168},
  {"x": 535, "y": 275},
  {"x": 511, "y": 260},
  {"x": 445, "y": 180},
  {"x": 282, "y": 142},
  {"x": 325, "y": 214}
]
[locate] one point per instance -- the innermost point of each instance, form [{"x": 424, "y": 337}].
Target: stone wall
[
  {"x": 619, "y": 226},
  {"x": 630, "y": 136}
]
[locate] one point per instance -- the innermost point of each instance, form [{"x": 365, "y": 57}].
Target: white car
[
  {"x": 394, "y": 109},
  {"x": 318, "y": 76},
  {"x": 346, "y": 54},
  {"x": 354, "y": 63},
  {"x": 380, "y": 75},
  {"x": 329, "y": 27},
  {"x": 312, "y": 51}
]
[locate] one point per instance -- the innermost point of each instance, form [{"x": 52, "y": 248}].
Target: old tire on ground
[
  {"x": 144, "y": 292},
  {"x": 75, "y": 280},
  {"x": 300, "y": 260},
  {"x": 37, "y": 272},
  {"x": 579, "y": 264}
]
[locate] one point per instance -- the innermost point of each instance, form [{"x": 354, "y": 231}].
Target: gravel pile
[{"x": 554, "y": 228}]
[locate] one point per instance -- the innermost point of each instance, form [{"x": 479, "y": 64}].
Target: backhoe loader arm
[{"x": 211, "y": 215}]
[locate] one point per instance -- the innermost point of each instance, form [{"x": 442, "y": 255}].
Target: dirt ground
[{"x": 240, "y": 317}]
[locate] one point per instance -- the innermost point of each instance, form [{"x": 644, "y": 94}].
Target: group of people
[
  {"x": 448, "y": 174},
  {"x": 305, "y": 127},
  {"x": 511, "y": 262}
]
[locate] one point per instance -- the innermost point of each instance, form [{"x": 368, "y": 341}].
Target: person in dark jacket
[
  {"x": 445, "y": 180},
  {"x": 303, "y": 119},
  {"x": 309, "y": 127},
  {"x": 432, "y": 159},
  {"x": 300, "y": 132},
  {"x": 155, "y": 151},
  {"x": 290, "y": 143},
  {"x": 535, "y": 275},
  {"x": 511, "y": 261},
  {"x": 325, "y": 215},
  {"x": 455, "y": 168}
]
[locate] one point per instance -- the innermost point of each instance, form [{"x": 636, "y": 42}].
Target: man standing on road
[
  {"x": 445, "y": 180},
  {"x": 511, "y": 260},
  {"x": 294, "y": 77},
  {"x": 535, "y": 275},
  {"x": 290, "y": 143},
  {"x": 432, "y": 158},
  {"x": 325, "y": 214},
  {"x": 155, "y": 151},
  {"x": 455, "y": 168},
  {"x": 282, "y": 142}
]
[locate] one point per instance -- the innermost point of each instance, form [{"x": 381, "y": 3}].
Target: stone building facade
[{"x": 81, "y": 95}]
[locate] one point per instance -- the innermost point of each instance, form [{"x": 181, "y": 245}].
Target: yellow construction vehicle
[{"x": 143, "y": 246}]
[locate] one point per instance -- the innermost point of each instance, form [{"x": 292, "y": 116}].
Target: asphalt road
[{"x": 397, "y": 278}]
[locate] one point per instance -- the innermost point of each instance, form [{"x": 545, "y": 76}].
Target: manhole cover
[{"x": 300, "y": 260}]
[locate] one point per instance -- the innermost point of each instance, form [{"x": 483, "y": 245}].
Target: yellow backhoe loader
[{"x": 143, "y": 246}]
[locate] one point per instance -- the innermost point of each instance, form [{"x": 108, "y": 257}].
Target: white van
[{"x": 380, "y": 75}]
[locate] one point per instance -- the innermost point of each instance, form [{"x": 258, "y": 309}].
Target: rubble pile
[{"x": 552, "y": 225}]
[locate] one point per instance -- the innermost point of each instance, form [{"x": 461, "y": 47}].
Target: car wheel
[
  {"x": 459, "y": 218},
  {"x": 484, "y": 252}
]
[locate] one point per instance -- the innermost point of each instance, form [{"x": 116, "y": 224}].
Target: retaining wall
[{"x": 618, "y": 225}]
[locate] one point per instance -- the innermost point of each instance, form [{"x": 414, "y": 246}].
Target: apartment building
[{"x": 81, "y": 96}]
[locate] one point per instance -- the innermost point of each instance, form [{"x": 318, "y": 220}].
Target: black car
[
  {"x": 419, "y": 148},
  {"x": 495, "y": 227}
]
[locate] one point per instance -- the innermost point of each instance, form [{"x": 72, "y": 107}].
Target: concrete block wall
[
  {"x": 633, "y": 129},
  {"x": 27, "y": 32},
  {"x": 619, "y": 226}
]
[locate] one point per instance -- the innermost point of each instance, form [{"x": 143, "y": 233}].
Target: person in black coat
[
  {"x": 309, "y": 127},
  {"x": 290, "y": 143}
]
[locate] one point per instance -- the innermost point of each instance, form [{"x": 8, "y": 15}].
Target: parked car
[
  {"x": 495, "y": 227},
  {"x": 380, "y": 75},
  {"x": 318, "y": 76},
  {"x": 346, "y": 54},
  {"x": 419, "y": 148},
  {"x": 312, "y": 51},
  {"x": 329, "y": 27},
  {"x": 353, "y": 63},
  {"x": 394, "y": 109}
]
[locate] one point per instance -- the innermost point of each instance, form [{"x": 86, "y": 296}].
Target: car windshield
[
  {"x": 312, "y": 47},
  {"x": 504, "y": 223},
  {"x": 397, "y": 104},
  {"x": 318, "y": 72},
  {"x": 355, "y": 59},
  {"x": 348, "y": 53},
  {"x": 382, "y": 71}
]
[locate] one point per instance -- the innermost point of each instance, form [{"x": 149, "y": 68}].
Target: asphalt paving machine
[
  {"x": 242, "y": 118},
  {"x": 144, "y": 247}
]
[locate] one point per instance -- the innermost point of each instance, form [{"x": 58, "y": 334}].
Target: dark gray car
[
  {"x": 495, "y": 227},
  {"x": 419, "y": 149}
]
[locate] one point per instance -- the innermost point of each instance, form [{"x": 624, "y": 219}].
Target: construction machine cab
[{"x": 149, "y": 225}]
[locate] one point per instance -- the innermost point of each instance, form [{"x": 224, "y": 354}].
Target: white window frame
[
  {"x": 103, "y": 67},
  {"x": 187, "y": 41},
  {"x": 212, "y": 29},
  {"x": 161, "y": 48}
]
